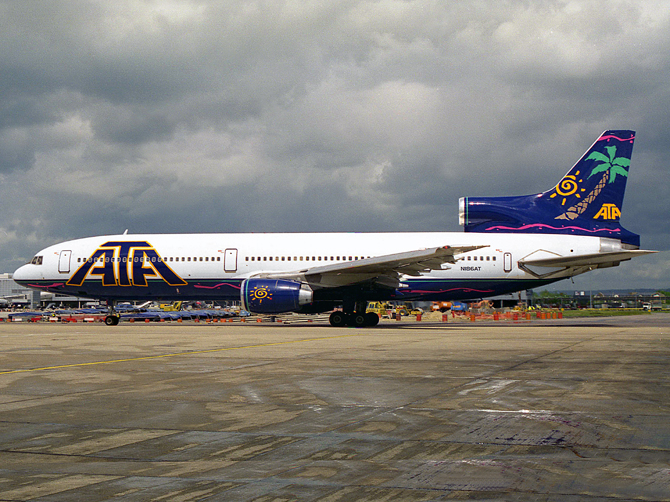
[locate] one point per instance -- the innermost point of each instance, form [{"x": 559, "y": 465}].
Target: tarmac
[{"x": 562, "y": 410}]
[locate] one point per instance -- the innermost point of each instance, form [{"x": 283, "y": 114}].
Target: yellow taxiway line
[{"x": 177, "y": 354}]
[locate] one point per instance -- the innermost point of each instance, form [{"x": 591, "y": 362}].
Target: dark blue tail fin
[{"x": 586, "y": 201}]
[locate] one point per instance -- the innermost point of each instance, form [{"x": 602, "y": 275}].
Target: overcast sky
[{"x": 236, "y": 116}]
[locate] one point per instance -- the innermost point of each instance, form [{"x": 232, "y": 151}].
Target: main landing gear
[
  {"x": 112, "y": 319},
  {"x": 355, "y": 316}
]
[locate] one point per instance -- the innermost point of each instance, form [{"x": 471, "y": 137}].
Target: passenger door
[
  {"x": 64, "y": 262},
  {"x": 230, "y": 260}
]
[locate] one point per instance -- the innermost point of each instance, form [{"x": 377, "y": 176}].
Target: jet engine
[{"x": 274, "y": 296}]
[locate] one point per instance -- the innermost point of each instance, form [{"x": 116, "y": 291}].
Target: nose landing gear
[{"x": 112, "y": 318}]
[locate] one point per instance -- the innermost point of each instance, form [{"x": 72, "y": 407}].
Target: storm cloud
[{"x": 191, "y": 116}]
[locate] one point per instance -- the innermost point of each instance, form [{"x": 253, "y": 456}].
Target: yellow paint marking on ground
[{"x": 177, "y": 354}]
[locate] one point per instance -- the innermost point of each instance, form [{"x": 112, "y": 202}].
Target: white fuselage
[{"x": 213, "y": 265}]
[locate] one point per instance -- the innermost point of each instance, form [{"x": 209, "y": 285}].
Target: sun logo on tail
[{"x": 568, "y": 186}]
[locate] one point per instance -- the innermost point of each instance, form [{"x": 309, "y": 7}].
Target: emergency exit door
[
  {"x": 230, "y": 260},
  {"x": 507, "y": 262}
]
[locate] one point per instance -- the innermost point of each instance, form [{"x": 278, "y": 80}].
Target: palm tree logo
[{"x": 611, "y": 166}]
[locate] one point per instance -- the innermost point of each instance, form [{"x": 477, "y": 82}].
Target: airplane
[{"x": 509, "y": 244}]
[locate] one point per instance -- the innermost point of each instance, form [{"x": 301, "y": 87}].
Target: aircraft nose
[{"x": 23, "y": 274}]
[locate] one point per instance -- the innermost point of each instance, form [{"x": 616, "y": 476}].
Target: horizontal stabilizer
[
  {"x": 587, "y": 259},
  {"x": 556, "y": 267}
]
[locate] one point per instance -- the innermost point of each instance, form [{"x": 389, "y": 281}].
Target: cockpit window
[{"x": 37, "y": 260}]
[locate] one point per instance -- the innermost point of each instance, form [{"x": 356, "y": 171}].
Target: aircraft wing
[{"x": 382, "y": 270}]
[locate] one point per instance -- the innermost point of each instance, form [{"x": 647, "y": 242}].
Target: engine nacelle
[{"x": 274, "y": 296}]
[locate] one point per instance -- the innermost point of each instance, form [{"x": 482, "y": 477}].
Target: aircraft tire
[
  {"x": 112, "y": 320},
  {"x": 359, "y": 320},
  {"x": 371, "y": 319},
  {"x": 338, "y": 319}
]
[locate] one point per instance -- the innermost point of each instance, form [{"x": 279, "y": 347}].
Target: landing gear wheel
[
  {"x": 338, "y": 319},
  {"x": 359, "y": 320},
  {"x": 371, "y": 319},
  {"x": 112, "y": 320}
]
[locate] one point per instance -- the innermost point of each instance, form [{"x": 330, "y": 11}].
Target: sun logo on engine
[
  {"x": 568, "y": 186},
  {"x": 260, "y": 293}
]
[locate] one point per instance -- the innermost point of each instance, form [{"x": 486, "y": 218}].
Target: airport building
[{"x": 16, "y": 295}]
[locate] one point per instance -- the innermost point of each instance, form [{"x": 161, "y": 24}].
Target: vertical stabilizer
[{"x": 587, "y": 201}]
